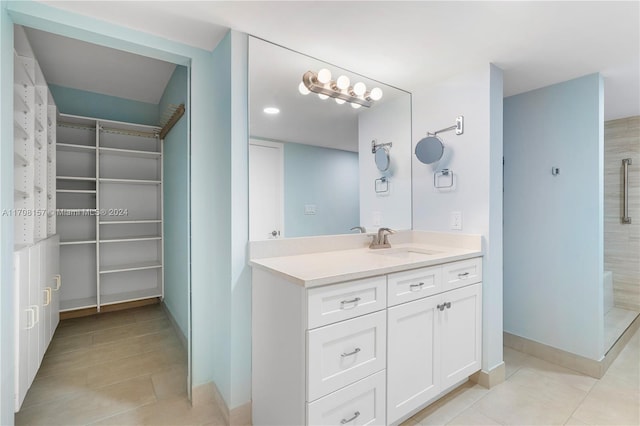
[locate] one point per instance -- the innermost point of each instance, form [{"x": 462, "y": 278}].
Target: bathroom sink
[{"x": 406, "y": 252}]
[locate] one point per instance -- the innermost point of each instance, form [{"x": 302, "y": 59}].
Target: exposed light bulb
[
  {"x": 376, "y": 94},
  {"x": 322, "y": 96},
  {"x": 303, "y": 89},
  {"x": 355, "y": 106},
  {"x": 271, "y": 110},
  {"x": 343, "y": 82},
  {"x": 340, "y": 101},
  {"x": 324, "y": 76},
  {"x": 359, "y": 88}
]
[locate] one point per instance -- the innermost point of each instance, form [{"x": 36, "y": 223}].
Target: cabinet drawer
[
  {"x": 339, "y": 302},
  {"x": 415, "y": 284},
  {"x": 342, "y": 353},
  {"x": 459, "y": 274},
  {"x": 362, "y": 403}
]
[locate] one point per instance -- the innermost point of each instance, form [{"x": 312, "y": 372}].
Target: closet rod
[
  {"x": 129, "y": 132},
  {"x": 179, "y": 112}
]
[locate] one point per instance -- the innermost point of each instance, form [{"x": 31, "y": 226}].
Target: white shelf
[
  {"x": 74, "y": 148},
  {"x": 72, "y": 304},
  {"x": 19, "y": 130},
  {"x": 76, "y": 242},
  {"x": 131, "y": 239},
  {"x": 128, "y": 222},
  {"x": 80, "y": 178},
  {"x": 77, "y": 191},
  {"x": 19, "y": 160},
  {"x": 39, "y": 126},
  {"x": 19, "y": 104},
  {"x": 130, "y": 181},
  {"x": 130, "y": 153},
  {"x": 130, "y": 296},
  {"x": 20, "y": 73},
  {"x": 130, "y": 267},
  {"x": 17, "y": 194}
]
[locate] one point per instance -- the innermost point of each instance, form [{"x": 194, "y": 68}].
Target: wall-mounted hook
[{"x": 555, "y": 171}]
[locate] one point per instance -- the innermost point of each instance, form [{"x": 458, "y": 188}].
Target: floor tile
[
  {"x": 451, "y": 405},
  {"x": 513, "y": 360},
  {"x": 176, "y": 411},
  {"x": 472, "y": 417},
  {"x": 91, "y": 405},
  {"x": 610, "y": 404},
  {"x": 510, "y": 404},
  {"x": 170, "y": 383}
]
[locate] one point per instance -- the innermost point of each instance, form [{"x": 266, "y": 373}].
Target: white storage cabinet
[{"x": 364, "y": 352}]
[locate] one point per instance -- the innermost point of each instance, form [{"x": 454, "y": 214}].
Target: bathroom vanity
[{"x": 351, "y": 335}]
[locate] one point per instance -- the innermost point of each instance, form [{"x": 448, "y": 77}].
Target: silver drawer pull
[
  {"x": 355, "y": 416},
  {"x": 417, "y": 286},
  {"x": 355, "y": 351},
  {"x": 463, "y": 276},
  {"x": 354, "y": 300}
]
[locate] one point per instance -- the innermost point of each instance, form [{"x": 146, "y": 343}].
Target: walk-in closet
[{"x": 100, "y": 231}]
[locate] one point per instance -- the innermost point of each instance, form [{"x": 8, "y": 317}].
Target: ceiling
[
  {"x": 415, "y": 44},
  {"x": 79, "y": 65}
]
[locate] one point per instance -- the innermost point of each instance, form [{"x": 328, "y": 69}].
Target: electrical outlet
[
  {"x": 376, "y": 218},
  {"x": 310, "y": 209},
  {"x": 456, "y": 220}
]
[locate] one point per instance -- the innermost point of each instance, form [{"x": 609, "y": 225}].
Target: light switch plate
[
  {"x": 309, "y": 209},
  {"x": 456, "y": 220}
]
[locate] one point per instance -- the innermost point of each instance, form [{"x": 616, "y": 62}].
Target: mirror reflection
[{"x": 319, "y": 140}]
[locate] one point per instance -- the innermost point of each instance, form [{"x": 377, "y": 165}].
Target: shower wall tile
[{"x": 622, "y": 241}]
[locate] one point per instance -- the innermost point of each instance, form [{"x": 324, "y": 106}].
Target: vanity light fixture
[
  {"x": 339, "y": 89},
  {"x": 271, "y": 110}
]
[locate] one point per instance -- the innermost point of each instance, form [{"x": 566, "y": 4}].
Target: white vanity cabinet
[{"x": 363, "y": 352}]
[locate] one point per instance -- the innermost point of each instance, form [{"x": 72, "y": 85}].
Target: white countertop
[{"x": 329, "y": 267}]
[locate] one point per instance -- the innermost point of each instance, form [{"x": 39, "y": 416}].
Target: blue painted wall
[
  {"x": 327, "y": 178},
  {"x": 553, "y": 225},
  {"x": 176, "y": 203},
  {"x": 90, "y": 104}
]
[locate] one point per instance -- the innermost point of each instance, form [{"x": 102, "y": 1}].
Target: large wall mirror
[{"x": 322, "y": 166}]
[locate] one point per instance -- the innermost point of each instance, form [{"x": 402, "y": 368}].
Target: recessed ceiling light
[{"x": 271, "y": 110}]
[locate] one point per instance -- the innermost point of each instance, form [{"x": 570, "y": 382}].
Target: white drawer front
[
  {"x": 340, "y": 354},
  {"x": 414, "y": 284},
  {"x": 362, "y": 403},
  {"x": 459, "y": 274},
  {"x": 339, "y": 302}
]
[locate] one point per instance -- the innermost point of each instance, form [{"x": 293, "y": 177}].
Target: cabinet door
[
  {"x": 35, "y": 304},
  {"x": 24, "y": 321},
  {"x": 54, "y": 281},
  {"x": 412, "y": 356},
  {"x": 461, "y": 331},
  {"x": 45, "y": 301}
]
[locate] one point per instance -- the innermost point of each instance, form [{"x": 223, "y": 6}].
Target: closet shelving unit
[
  {"x": 110, "y": 196},
  {"x": 37, "y": 283}
]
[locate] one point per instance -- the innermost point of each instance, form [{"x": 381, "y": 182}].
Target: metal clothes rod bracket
[
  {"x": 375, "y": 145},
  {"x": 625, "y": 190},
  {"x": 458, "y": 127}
]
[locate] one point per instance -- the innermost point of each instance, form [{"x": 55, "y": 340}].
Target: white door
[
  {"x": 266, "y": 190},
  {"x": 412, "y": 356},
  {"x": 461, "y": 331}
]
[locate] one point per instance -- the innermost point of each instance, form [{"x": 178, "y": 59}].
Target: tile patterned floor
[
  {"x": 616, "y": 322},
  {"x": 540, "y": 393},
  {"x": 119, "y": 368},
  {"x": 128, "y": 368}
]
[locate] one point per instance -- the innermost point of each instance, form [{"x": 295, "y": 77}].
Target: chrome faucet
[
  {"x": 360, "y": 229},
  {"x": 381, "y": 240}
]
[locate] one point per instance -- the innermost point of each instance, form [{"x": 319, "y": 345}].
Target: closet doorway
[{"x": 122, "y": 218}]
